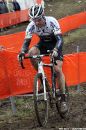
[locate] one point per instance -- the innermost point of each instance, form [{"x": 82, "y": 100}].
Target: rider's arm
[
  {"x": 25, "y": 45},
  {"x": 59, "y": 42},
  {"x": 28, "y": 35},
  {"x": 58, "y": 35}
]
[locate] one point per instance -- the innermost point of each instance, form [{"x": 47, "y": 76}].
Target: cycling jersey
[
  {"x": 51, "y": 27},
  {"x": 50, "y": 35}
]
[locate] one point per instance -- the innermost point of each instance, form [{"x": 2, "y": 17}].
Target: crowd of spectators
[
  {"x": 13, "y": 6},
  {"x": 8, "y": 6}
]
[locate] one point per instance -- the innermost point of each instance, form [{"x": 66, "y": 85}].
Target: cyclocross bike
[{"x": 44, "y": 94}]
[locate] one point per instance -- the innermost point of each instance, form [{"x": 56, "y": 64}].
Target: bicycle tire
[{"x": 40, "y": 105}]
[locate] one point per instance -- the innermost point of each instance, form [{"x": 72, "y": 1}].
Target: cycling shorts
[{"x": 44, "y": 46}]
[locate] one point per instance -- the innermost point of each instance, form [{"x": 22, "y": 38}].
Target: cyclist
[{"x": 48, "y": 29}]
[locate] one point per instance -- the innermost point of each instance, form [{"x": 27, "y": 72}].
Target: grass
[
  {"x": 74, "y": 35},
  {"x": 62, "y": 8},
  {"x": 24, "y": 109}
]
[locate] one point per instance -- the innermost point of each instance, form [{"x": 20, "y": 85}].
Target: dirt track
[{"x": 77, "y": 117}]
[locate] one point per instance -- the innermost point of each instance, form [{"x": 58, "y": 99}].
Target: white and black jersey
[
  {"x": 51, "y": 27},
  {"x": 50, "y": 35}
]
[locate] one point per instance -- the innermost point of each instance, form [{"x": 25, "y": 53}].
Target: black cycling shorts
[{"x": 44, "y": 46}]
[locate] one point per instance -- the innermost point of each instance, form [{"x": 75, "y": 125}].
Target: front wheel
[{"x": 40, "y": 105}]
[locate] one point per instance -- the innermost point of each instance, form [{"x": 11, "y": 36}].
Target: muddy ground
[{"x": 25, "y": 118}]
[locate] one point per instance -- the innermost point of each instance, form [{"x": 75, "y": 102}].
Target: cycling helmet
[{"x": 36, "y": 11}]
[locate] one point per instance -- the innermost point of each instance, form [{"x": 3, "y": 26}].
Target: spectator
[
  {"x": 13, "y": 16},
  {"x": 3, "y": 7},
  {"x": 10, "y": 6},
  {"x": 16, "y": 5}
]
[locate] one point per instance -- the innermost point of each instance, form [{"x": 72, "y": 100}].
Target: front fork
[{"x": 41, "y": 70}]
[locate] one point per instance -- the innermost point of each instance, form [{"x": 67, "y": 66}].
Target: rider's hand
[
  {"x": 55, "y": 52},
  {"x": 21, "y": 56}
]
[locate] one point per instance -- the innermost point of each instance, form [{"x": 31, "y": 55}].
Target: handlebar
[
  {"x": 31, "y": 57},
  {"x": 36, "y": 57},
  {"x": 21, "y": 63}
]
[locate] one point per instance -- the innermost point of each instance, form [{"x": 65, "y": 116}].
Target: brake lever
[{"x": 21, "y": 63}]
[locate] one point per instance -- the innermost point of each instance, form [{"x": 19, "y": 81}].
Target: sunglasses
[{"x": 37, "y": 19}]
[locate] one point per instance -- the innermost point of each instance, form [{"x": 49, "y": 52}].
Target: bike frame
[
  {"x": 53, "y": 75},
  {"x": 41, "y": 70},
  {"x": 46, "y": 95}
]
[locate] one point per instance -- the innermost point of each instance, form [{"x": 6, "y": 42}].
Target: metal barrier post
[
  {"x": 13, "y": 105},
  {"x": 78, "y": 86}
]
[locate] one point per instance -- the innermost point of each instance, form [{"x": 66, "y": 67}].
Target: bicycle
[{"x": 44, "y": 95}]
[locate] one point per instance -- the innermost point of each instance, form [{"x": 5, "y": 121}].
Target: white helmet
[{"x": 36, "y": 11}]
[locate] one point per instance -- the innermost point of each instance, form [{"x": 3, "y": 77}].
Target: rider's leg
[
  {"x": 61, "y": 77},
  {"x": 34, "y": 51},
  {"x": 61, "y": 82}
]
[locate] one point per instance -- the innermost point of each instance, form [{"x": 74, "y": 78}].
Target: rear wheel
[{"x": 40, "y": 105}]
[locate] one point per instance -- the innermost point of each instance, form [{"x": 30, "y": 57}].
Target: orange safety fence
[
  {"x": 13, "y": 18},
  {"x": 15, "y": 80},
  {"x": 71, "y": 22},
  {"x": 39, "y": 1}
]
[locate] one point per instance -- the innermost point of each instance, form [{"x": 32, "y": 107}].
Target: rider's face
[{"x": 39, "y": 22}]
